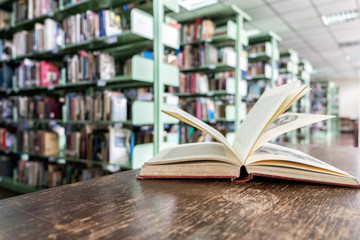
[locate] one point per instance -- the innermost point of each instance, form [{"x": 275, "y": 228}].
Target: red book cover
[
  {"x": 198, "y": 110},
  {"x": 192, "y": 83},
  {"x": 53, "y": 108},
  {"x": 196, "y": 28},
  {"x": 49, "y": 73}
]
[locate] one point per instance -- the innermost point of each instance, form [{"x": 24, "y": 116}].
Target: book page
[
  {"x": 258, "y": 118},
  {"x": 286, "y": 123},
  {"x": 273, "y": 154},
  {"x": 191, "y": 152},
  {"x": 197, "y": 123}
]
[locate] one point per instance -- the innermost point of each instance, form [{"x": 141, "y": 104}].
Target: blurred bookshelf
[{"x": 79, "y": 98}]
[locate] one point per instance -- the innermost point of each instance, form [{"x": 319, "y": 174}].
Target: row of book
[
  {"x": 37, "y": 173},
  {"x": 189, "y": 134},
  {"x": 102, "y": 106},
  {"x": 90, "y": 25},
  {"x": 6, "y": 108},
  {"x": 257, "y": 48},
  {"x": 201, "y": 29},
  {"x": 203, "y": 83},
  {"x": 38, "y": 142},
  {"x": 205, "y": 108},
  {"x": 205, "y": 54},
  {"x": 89, "y": 66},
  {"x": 259, "y": 68},
  {"x": 31, "y": 73},
  {"x": 5, "y": 19},
  {"x": 28, "y": 9},
  {"x": 44, "y": 37},
  {"x": 107, "y": 145},
  {"x": 38, "y": 107}
]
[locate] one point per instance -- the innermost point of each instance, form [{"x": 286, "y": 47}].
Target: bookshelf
[
  {"x": 145, "y": 31},
  {"x": 288, "y": 72},
  {"x": 324, "y": 100},
  {"x": 263, "y": 70},
  {"x": 227, "y": 32},
  {"x": 304, "y": 105}
]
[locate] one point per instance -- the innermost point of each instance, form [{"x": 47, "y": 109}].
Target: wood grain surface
[{"x": 121, "y": 207}]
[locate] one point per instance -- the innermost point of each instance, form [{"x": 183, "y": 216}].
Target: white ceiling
[{"x": 299, "y": 24}]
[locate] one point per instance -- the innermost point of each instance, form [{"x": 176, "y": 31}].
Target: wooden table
[{"x": 121, "y": 207}]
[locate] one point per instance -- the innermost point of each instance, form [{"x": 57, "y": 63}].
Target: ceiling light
[
  {"x": 349, "y": 44},
  {"x": 253, "y": 32},
  {"x": 352, "y": 58},
  {"x": 191, "y": 5},
  {"x": 340, "y": 17}
]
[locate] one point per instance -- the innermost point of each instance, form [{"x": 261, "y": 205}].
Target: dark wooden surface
[{"x": 121, "y": 207}]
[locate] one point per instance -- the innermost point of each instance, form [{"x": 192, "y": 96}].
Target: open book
[{"x": 250, "y": 154}]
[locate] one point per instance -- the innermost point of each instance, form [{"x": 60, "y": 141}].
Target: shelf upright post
[
  {"x": 274, "y": 50},
  {"x": 158, "y": 9},
  {"x": 238, "y": 72}
]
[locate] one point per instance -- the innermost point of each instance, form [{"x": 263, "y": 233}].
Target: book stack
[
  {"x": 6, "y": 109},
  {"x": 38, "y": 107},
  {"x": 205, "y": 108},
  {"x": 205, "y": 54},
  {"x": 5, "y": 19},
  {"x": 43, "y": 37},
  {"x": 259, "y": 68},
  {"x": 90, "y": 25},
  {"x": 6, "y": 74},
  {"x": 203, "y": 83},
  {"x": 103, "y": 106},
  {"x": 89, "y": 66},
  {"x": 29, "y": 9},
  {"x": 5, "y": 49},
  {"x": 38, "y": 142},
  {"x": 109, "y": 145},
  {"x": 32, "y": 73},
  {"x": 201, "y": 29},
  {"x": 7, "y": 139}
]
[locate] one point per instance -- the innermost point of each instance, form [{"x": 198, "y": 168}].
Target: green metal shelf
[
  {"x": 257, "y": 57},
  {"x": 264, "y": 38},
  {"x": 257, "y": 77},
  {"x": 214, "y": 39},
  {"x": 10, "y": 184},
  {"x": 220, "y": 67},
  {"x": 215, "y": 13},
  {"x": 208, "y": 94}
]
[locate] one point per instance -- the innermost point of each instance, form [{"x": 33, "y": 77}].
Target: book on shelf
[
  {"x": 38, "y": 142},
  {"x": 103, "y": 106},
  {"x": 38, "y": 107},
  {"x": 30, "y": 9},
  {"x": 6, "y": 109},
  {"x": 31, "y": 73},
  {"x": 5, "y": 19},
  {"x": 201, "y": 29},
  {"x": 207, "y": 83},
  {"x": 89, "y": 66},
  {"x": 90, "y": 25},
  {"x": 250, "y": 155},
  {"x": 107, "y": 145},
  {"x": 205, "y": 54},
  {"x": 5, "y": 49},
  {"x": 6, "y": 74},
  {"x": 44, "y": 37},
  {"x": 205, "y": 108}
]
